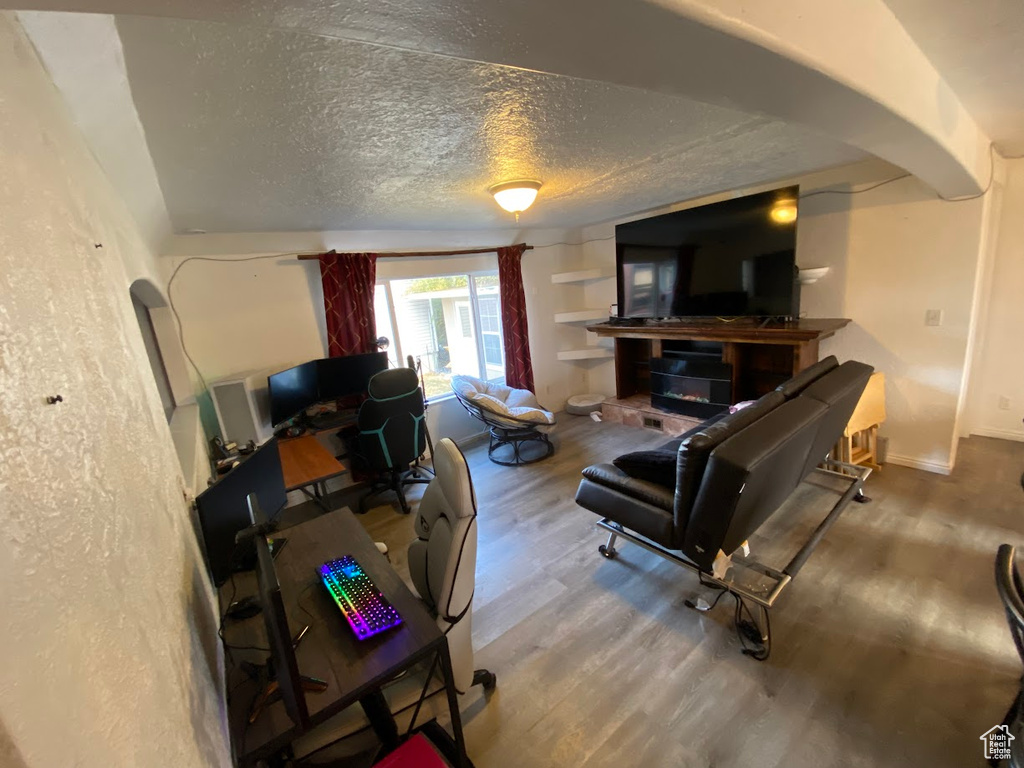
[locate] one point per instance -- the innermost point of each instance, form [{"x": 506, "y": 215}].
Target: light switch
[
  {"x": 933, "y": 317},
  {"x": 1004, "y": 403}
]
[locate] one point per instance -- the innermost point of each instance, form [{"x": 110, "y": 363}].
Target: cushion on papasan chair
[{"x": 501, "y": 401}]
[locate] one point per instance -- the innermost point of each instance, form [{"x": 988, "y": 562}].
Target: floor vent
[{"x": 652, "y": 423}]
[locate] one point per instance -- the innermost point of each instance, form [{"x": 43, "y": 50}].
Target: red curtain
[
  {"x": 518, "y": 368},
  {"x": 348, "y": 280}
]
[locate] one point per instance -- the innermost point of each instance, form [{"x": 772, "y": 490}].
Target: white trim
[
  {"x": 938, "y": 468},
  {"x": 999, "y": 434}
]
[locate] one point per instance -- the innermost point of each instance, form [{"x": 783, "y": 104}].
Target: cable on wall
[
  {"x": 855, "y": 191},
  {"x": 584, "y": 242},
  {"x": 963, "y": 199},
  {"x": 174, "y": 309}
]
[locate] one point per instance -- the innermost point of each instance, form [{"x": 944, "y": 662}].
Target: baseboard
[
  {"x": 938, "y": 468},
  {"x": 473, "y": 439},
  {"x": 1000, "y": 434}
]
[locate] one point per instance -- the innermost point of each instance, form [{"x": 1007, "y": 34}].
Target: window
[
  {"x": 490, "y": 329},
  {"x": 385, "y": 322},
  {"x": 451, "y": 323}
]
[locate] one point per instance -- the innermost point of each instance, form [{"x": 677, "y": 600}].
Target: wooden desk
[
  {"x": 353, "y": 669},
  {"x": 305, "y": 462}
]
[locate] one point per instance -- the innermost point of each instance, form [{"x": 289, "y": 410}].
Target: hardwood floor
[{"x": 890, "y": 648}]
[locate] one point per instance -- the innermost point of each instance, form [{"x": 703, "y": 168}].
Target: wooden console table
[{"x": 762, "y": 356}]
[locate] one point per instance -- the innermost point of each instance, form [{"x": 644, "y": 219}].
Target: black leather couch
[{"x": 711, "y": 488}]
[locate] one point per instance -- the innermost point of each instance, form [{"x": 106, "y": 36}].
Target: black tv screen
[
  {"x": 292, "y": 391},
  {"x": 727, "y": 259}
]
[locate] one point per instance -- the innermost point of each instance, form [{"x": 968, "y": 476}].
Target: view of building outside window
[{"x": 451, "y": 323}]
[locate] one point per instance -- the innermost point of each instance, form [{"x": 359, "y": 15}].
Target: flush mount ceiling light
[
  {"x": 515, "y": 196},
  {"x": 784, "y": 211}
]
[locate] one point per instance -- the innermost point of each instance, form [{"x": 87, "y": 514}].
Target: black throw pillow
[{"x": 653, "y": 466}]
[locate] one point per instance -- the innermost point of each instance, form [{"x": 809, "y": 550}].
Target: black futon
[{"x": 729, "y": 475}]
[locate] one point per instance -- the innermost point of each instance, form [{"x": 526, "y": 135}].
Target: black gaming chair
[{"x": 392, "y": 433}]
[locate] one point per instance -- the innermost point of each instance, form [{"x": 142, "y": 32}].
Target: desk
[
  {"x": 353, "y": 669},
  {"x": 305, "y": 462}
]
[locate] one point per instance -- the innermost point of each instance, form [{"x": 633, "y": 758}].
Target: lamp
[
  {"x": 515, "y": 196},
  {"x": 383, "y": 342},
  {"x": 784, "y": 211}
]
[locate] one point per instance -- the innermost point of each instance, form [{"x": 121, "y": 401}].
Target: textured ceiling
[
  {"x": 255, "y": 129},
  {"x": 978, "y": 46}
]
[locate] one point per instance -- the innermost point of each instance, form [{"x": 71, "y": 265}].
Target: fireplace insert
[{"x": 691, "y": 385}]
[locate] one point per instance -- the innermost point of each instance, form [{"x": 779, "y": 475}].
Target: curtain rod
[{"x": 464, "y": 252}]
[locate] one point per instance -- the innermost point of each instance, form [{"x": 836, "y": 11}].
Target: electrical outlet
[
  {"x": 1004, "y": 403},
  {"x": 933, "y": 317}
]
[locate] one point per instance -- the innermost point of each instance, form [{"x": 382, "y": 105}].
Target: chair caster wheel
[
  {"x": 860, "y": 498},
  {"x": 610, "y": 553},
  {"x": 485, "y": 678}
]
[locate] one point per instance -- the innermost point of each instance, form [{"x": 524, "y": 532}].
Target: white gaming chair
[
  {"x": 442, "y": 561},
  {"x": 442, "y": 564}
]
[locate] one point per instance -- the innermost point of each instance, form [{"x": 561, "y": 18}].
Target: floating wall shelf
[
  {"x": 590, "y": 353},
  {"x": 583, "y": 315},
  {"x": 579, "y": 277}
]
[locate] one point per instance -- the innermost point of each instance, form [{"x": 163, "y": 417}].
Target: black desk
[{"x": 353, "y": 669}]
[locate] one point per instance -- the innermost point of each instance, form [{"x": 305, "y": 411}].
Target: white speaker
[{"x": 242, "y": 403}]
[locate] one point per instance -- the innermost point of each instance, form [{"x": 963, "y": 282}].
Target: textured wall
[{"x": 102, "y": 665}]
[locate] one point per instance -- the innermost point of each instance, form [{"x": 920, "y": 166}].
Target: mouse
[{"x": 245, "y": 608}]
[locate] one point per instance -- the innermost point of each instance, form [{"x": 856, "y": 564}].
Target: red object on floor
[{"x": 417, "y": 752}]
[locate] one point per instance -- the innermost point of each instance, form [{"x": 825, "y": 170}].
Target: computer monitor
[
  {"x": 348, "y": 375},
  {"x": 292, "y": 391},
  {"x": 279, "y": 637},
  {"x": 223, "y": 510}
]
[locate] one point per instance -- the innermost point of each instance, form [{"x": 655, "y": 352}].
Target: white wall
[
  {"x": 98, "y": 670},
  {"x": 894, "y": 252},
  {"x": 998, "y": 371},
  {"x": 82, "y": 53},
  {"x": 242, "y": 316}
]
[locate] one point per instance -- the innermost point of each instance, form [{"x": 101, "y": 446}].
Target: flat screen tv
[{"x": 728, "y": 259}]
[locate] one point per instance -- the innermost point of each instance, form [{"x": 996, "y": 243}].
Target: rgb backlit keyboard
[{"x": 366, "y": 609}]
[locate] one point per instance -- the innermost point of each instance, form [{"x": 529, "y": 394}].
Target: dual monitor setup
[{"x": 320, "y": 381}]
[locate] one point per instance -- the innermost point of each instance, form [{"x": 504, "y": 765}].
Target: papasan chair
[{"x": 517, "y": 423}]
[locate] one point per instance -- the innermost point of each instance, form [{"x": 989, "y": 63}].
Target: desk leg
[
  {"x": 453, "y": 704},
  {"x": 383, "y": 722},
  {"x": 318, "y": 495}
]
